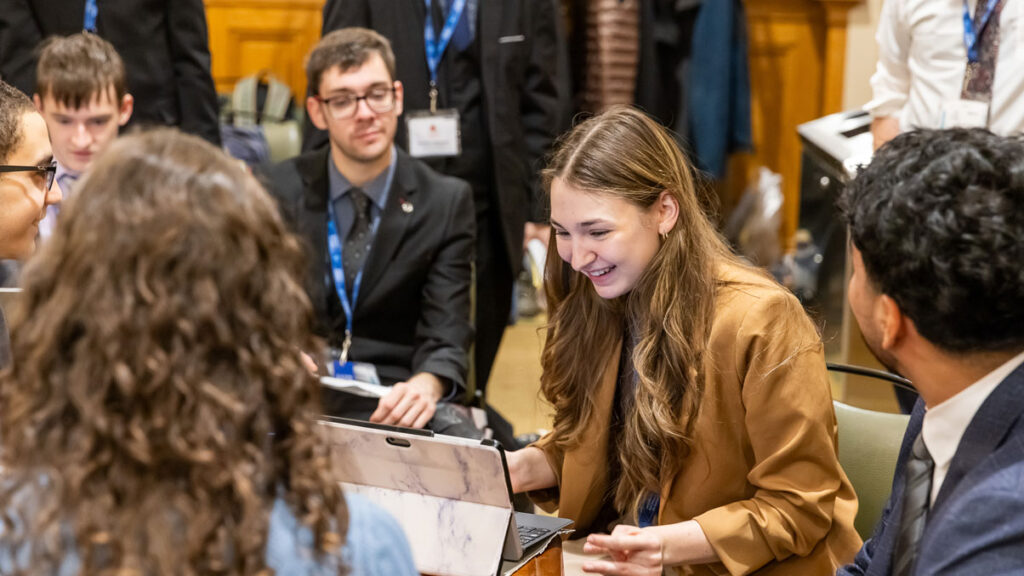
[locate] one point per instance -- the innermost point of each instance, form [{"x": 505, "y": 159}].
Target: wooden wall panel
[
  {"x": 247, "y": 36},
  {"x": 797, "y": 59}
]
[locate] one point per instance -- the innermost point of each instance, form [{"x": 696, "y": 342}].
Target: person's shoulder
[
  {"x": 298, "y": 164},
  {"x": 751, "y": 296},
  {"x": 376, "y": 543}
]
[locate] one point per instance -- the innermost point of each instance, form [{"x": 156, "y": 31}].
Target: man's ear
[
  {"x": 316, "y": 113},
  {"x": 38, "y": 102},
  {"x": 892, "y": 321},
  {"x": 668, "y": 212},
  {"x": 399, "y": 97},
  {"x": 124, "y": 114}
]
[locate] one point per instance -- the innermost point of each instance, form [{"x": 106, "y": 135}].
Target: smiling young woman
[{"x": 693, "y": 416}]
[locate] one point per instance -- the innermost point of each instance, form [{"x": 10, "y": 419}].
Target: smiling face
[
  {"x": 80, "y": 134},
  {"x": 23, "y": 195},
  {"x": 606, "y": 238},
  {"x": 364, "y": 138}
]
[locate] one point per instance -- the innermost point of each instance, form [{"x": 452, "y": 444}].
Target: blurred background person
[
  {"x": 947, "y": 63},
  {"x": 81, "y": 93},
  {"x": 159, "y": 419},
  {"x": 163, "y": 43}
]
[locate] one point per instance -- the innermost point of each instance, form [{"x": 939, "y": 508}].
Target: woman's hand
[
  {"x": 632, "y": 551},
  {"x": 635, "y": 551}
]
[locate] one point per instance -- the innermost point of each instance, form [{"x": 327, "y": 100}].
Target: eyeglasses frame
[
  {"x": 50, "y": 170},
  {"x": 365, "y": 97}
]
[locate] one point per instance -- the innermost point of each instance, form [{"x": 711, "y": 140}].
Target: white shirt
[
  {"x": 922, "y": 59},
  {"x": 944, "y": 424}
]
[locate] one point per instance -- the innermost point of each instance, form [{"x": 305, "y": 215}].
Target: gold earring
[{"x": 664, "y": 236}]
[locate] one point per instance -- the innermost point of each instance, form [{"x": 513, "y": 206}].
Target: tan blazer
[{"x": 763, "y": 479}]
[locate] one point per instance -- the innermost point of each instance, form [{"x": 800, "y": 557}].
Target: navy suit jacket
[
  {"x": 413, "y": 312},
  {"x": 976, "y": 526}
]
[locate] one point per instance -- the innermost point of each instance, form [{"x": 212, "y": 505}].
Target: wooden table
[{"x": 549, "y": 563}]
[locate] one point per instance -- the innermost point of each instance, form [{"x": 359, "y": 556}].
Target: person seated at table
[
  {"x": 26, "y": 184},
  {"x": 693, "y": 415},
  {"x": 159, "y": 419},
  {"x": 390, "y": 243}
]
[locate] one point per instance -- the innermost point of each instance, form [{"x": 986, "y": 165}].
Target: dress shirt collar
[
  {"x": 944, "y": 424},
  {"x": 66, "y": 179},
  {"x": 376, "y": 189}
]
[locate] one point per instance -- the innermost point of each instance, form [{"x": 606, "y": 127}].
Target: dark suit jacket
[
  {"x": 976, "y": 526},
  {"x": 163, "y": 44},
  {"x": 520, "y": 51},
  {"x": 412, "y": 314}
]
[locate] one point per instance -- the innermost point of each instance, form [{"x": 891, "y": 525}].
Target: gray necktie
[
  {"x": 917, "y": 491},
  {"x": 357, "y": 243}
]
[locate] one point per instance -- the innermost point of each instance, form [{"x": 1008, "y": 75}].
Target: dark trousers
[{"x": 494, "y": 283}]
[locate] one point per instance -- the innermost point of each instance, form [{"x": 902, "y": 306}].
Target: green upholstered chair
[{"x": 869, "y": 444}]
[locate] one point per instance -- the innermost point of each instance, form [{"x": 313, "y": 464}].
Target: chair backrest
[{"x": 869, "y": 445}]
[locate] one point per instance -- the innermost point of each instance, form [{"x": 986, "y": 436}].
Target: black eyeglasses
[
  {"x": 380, "y": 99},
  {"x": 50, "y": 170}
]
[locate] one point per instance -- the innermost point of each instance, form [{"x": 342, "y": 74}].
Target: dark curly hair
[
  {"x": 13, "y": 106},
  {"x": 938, "y": 217},
  {"x": 158, "y": 404}
]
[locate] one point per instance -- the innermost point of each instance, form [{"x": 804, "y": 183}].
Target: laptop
[{"x": 452, "y": 496}]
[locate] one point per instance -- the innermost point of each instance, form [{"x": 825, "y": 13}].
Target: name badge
[
  {"x": 355, "y": 371},
  {"x": 963, "y": 114},
  {"x": 433, "y": 135}
]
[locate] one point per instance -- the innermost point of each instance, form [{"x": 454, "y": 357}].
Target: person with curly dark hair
[
  {"x": 937, "y": 228},
  {"x": 159, "y": 419}
]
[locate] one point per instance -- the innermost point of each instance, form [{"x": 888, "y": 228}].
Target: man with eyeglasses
[
  {"x": 26, "y": 182},
  {"x": 390, "y": 243}
]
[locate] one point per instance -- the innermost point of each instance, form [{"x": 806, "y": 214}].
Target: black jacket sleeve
[{"x": 190, "y": 53}]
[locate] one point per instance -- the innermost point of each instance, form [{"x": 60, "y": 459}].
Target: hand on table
[
  {"x": 631, "y": 551},
  {"x": 411, "y": 403}
]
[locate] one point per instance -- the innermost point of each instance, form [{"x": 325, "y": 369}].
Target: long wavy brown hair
[
  {"x": 624, "y": 154},
  {"x": 158, "y": 405}
]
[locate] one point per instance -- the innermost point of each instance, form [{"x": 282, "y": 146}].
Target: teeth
[{"x": 600, "y": 272}]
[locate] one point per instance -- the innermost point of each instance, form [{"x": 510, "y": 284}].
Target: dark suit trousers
[{"x": 494, "y": 282}]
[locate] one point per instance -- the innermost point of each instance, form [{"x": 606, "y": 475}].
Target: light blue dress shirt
[{"x": 374, "y": 546}]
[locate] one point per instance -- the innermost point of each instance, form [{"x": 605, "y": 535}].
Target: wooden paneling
[
  {"x": 797, "y": 59},
  {"x": 247, "y": 36}
]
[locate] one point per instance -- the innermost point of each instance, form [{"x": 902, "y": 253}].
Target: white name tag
[
  {"x": 963, "y": 114},
  {"x": 434, "y": 135}
]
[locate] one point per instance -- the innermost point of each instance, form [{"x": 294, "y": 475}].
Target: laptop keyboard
[{"x": 528, "y": 536}]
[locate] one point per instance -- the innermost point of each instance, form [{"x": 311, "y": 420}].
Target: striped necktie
[{"x": 917, "y": 492}]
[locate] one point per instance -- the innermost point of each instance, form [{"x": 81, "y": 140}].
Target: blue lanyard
[
  {"x": 972, "y": 33},
  {"x": 647, "y": 515},
  {"x": 91, "y": 11},
  {"x": 436, "y": 46},
  {"x": 338, "y": 273}
]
